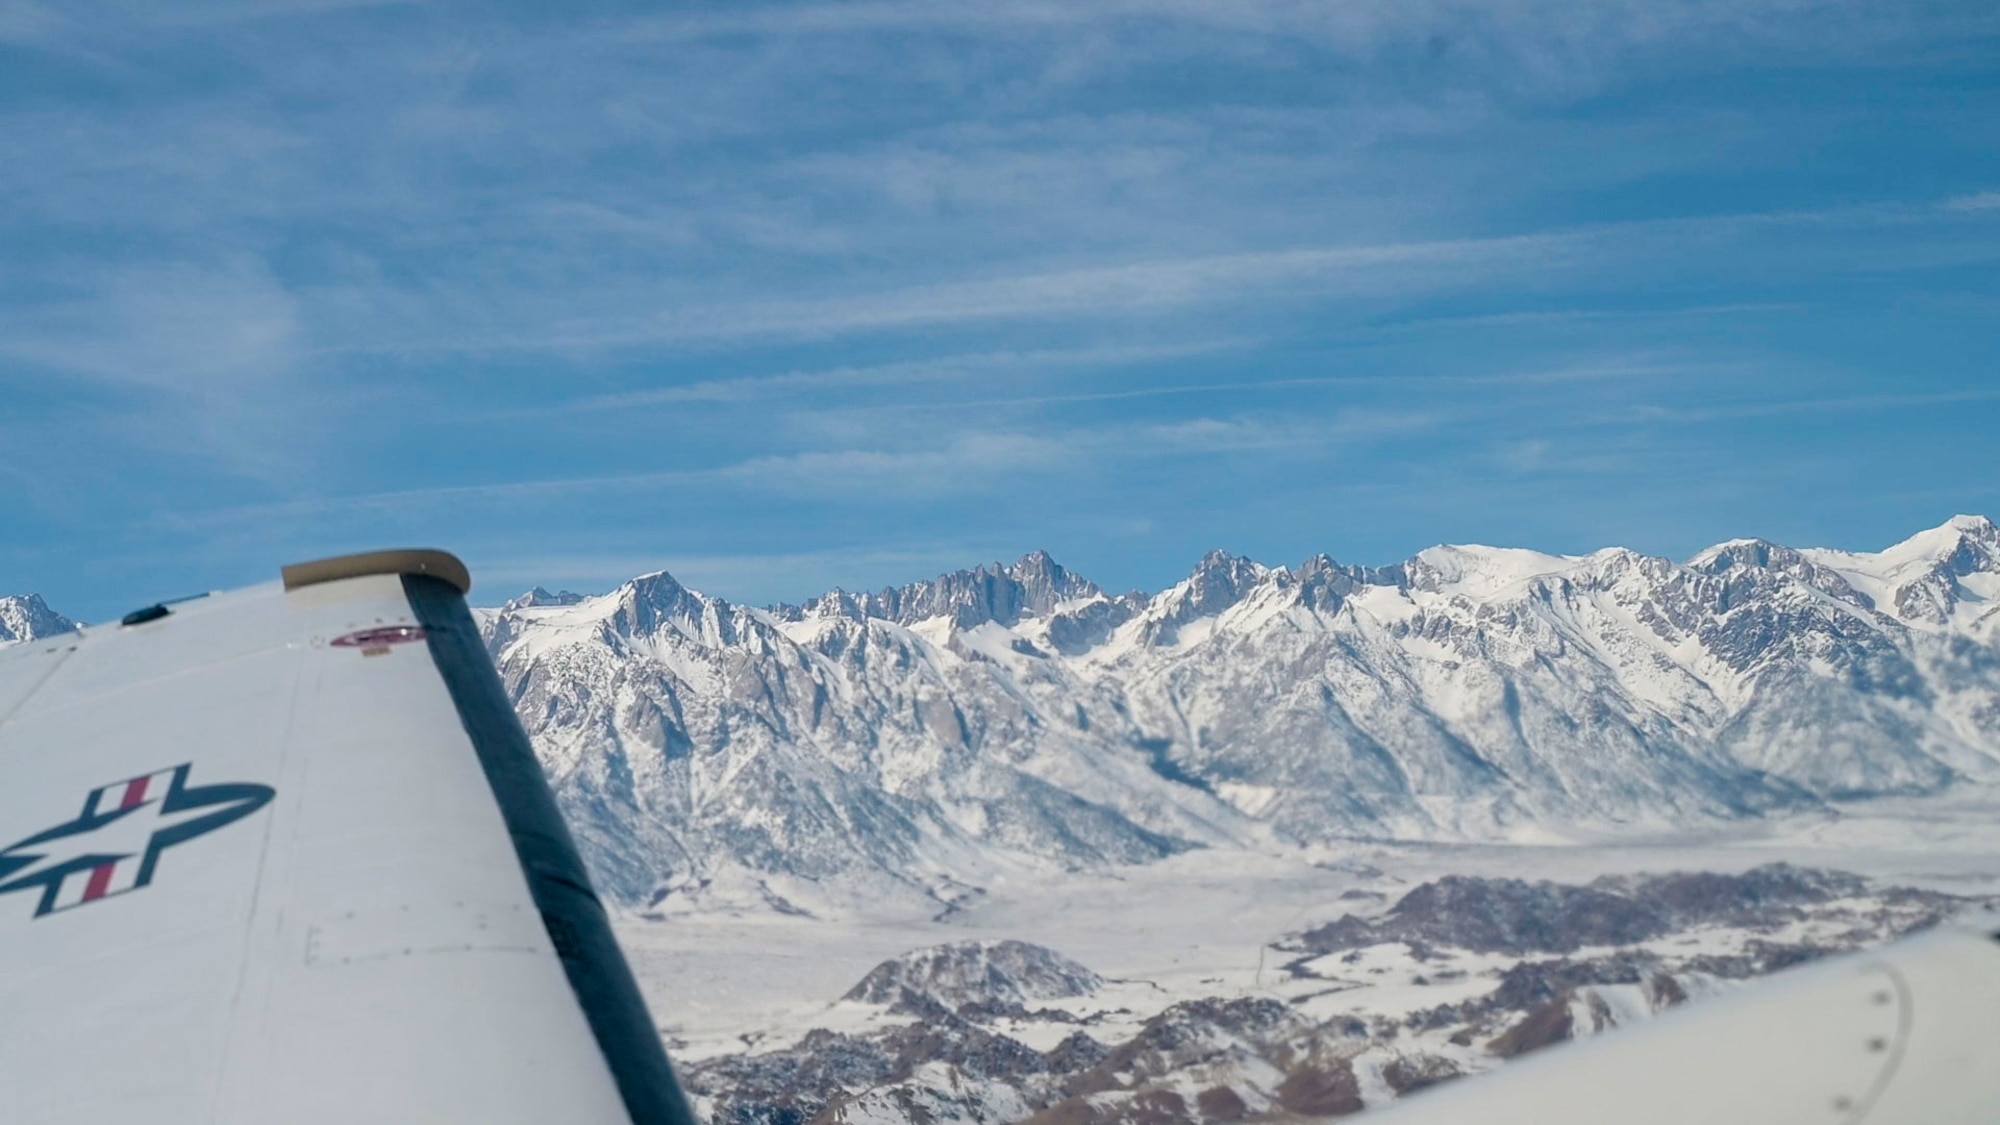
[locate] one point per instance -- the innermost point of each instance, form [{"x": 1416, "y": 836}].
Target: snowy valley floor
[{"x": 1229, "y": 992}]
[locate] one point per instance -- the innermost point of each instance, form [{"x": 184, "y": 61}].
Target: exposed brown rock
[
  {"x": 1159, "y": 1107},
  {"x": 1665, "y": 992},
  {"x": 1518, "y": 917},
  {"x": 1325, "y": 1090},
  {"x": 1070, "y": 1111},
  {"x": 1550, "y": 1023},
  {"x": 1148, "y": 1107},
  {"x": 1220, "y": 1103},
  {"x": 1079, "y": 1052},
  {"x": 1414, "y": 1072}
]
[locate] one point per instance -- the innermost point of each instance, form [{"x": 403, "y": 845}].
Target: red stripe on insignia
[
  {"x": 135, "y": 795},
  {"x": 100, "y": 881}
]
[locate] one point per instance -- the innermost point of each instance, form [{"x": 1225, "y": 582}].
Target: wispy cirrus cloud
[
  {"x": 955, "y": 465},
  {"x": 982, "y": 367},
  {"x": 1977, "y": 201},
  {"x": 1360, "y": 273},
  {"x": 206, "y": 332},
  {"x": 1562, "y": 27},
  {"x": 203, "y": 361},
  {"x": 1797, "y": 407}
]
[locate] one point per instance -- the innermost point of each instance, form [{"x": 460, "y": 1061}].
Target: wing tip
[{"x": 437, "y": 564}]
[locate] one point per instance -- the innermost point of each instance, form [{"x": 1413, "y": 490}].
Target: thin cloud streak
[
  {"x": 1576, "y": 31},
  {"x": 975, "y": 461},
  {"x": 1578, "y": 316},
  {"x": 1399, "y": 269},
  {"x": 188, "y": 15},
  {"x": 1578, "y": 374},
  {"x": 1055, "y": 295},
  {"x": 943, "y": 370},
  {"x": 969, "y": 463},
  {"x": 1843, "y": 405}
]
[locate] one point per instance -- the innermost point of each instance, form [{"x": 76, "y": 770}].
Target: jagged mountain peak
[
  {"x": 1035, "y": 586},
  {"x": 641, "y": 611},
  {"x": 1960, "y": 537},
  {"x": 1047, "y": 580},
  {"x": 655, "y": 604},
  {"x": 1323, "y": 584},
  {"x": 1321, "y": 563},
  {"x": 1962, "y": 544},
  {"x": 1755, "y": 553},
  {"x": 542, "y": 597},
  {"x": 655, "y": 580},
  {"x": 1219, "y": 581},
  {"x": 26, "y": 617},
  {"x": 1949, "y": 573},
  {"x": 1748, "y": 567}
]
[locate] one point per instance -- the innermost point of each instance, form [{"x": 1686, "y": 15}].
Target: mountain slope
[
  {"x": 29, "y": 618},
  {"x": 683, "y": 732},
  {"x": 1015, "y": 718}
]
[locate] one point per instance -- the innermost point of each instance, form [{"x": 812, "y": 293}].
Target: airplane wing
[
  {"x": 1905, "y": 1035},
  {"x": 285, "y": 855}
]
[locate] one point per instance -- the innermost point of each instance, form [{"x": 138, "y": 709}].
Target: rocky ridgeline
[
  {"x": 1512, "y": 916},
  {"x": 1320, "y": 1043},
  {"x": 985, "y": 975},
  {"x": 904, "y": 745},
  {"x": 953, "y": 1066},
  {"x": 29, "y": 618}
]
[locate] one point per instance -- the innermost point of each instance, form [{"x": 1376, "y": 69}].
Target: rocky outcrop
[
  {"x": 29, "y": 618},
  {"x": 1513, "y": 916},
  {"x": 989, "y": 975},
  {"x": 1311, "y": 1044}
]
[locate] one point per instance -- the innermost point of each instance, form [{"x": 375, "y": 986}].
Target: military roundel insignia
[
  {"x": 114, "y": 846},
  {"x": 377, "y": 642}
]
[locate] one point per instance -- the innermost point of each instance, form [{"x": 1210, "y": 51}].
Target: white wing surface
[
  {"x": 285, "y": 855},
  {"x": 1907, "y": 1035}
]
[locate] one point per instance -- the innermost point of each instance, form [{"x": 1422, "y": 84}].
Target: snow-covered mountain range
[{"x": 918, "y": 741}]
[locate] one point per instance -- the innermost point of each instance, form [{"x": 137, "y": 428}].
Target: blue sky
[{"x": 787, "y": 296}]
